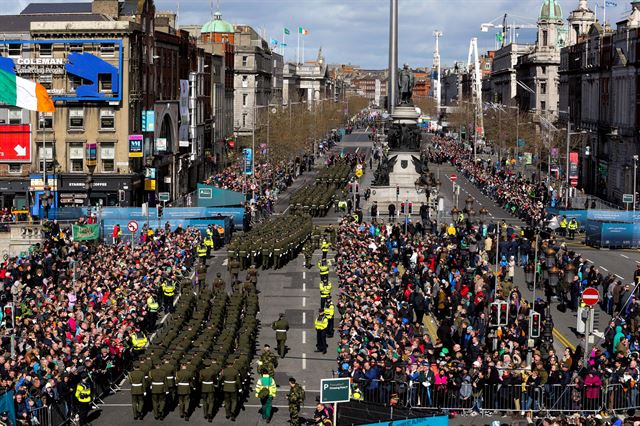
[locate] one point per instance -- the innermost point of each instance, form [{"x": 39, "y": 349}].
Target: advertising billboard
[
  {"x": 15, "y": 143},
  {"x": 70, "y": 70}
]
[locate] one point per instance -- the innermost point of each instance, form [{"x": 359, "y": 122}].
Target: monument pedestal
[{"x": 403, "y": 177}]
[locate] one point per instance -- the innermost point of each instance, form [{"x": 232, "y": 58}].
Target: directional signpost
[{"x": 333, "y": 391}]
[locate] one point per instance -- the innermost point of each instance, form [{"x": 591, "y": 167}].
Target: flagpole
[
  {"x": 604, "y": 18},
  {"x": 298, "y": 48},
  {"x": 303, "y": 49}
]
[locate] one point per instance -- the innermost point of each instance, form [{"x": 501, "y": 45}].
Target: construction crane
[
  {"x": 437, "y": 93},
  {"x": 504, "y": 27},
  {"x": 476, "y": 93}
]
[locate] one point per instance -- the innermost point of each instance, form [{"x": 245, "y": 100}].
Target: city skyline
[{"x": 354, "y": 34}]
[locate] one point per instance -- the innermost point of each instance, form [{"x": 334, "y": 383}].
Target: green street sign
[
  {"x": 335, "y": 390},
  {"x": 164, "y": 196},
  {"x": 627, "y": 198},
  {"x": 205, "y": 193}
]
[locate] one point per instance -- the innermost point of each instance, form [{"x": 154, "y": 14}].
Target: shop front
[
  {"x": 109, "y": 191},
  {"x": 14, "y": 194}
]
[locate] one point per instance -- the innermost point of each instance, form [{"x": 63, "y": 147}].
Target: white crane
[
  {"x": 511, "y": 27},
  {"x": 436, "y": 70}
]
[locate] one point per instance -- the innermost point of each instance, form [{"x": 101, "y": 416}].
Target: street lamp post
[{"x": 635, "y": 174}]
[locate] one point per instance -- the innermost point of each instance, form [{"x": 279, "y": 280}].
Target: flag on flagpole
[
  {"x": 303, "y": 31},
  {"x": 283, "y": 44},
  {"x": 24, "y": 93},
  {"x": 274, "y": 42},
  {"x": 610, "y": 3},
  {"x": 286, "y": 31}
]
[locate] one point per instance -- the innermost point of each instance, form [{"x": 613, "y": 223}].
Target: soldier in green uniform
[
  {"x": 170, "y": 378},
  {"x": 281, "y": 326},
  {"x": 268, "y": 362},
  {"x": 157, "y": 378},
  {"x": 308, "y": 254},
  {"x": 231, "y": 387},
  {"x": 138, "y": 391},
  {"x": 252, "y": 275},
  {"x": 234, "y": 269},
  {"x": 218, "y": 283},
  {"x": 184, "y": 379},
  {"x": 208, "y": 383},
  {"x": 296, "y": 399}
]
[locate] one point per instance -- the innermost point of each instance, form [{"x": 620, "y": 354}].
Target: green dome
[
  {"x": 550, "y": 10},
  {"x": 217, "y": 25}
]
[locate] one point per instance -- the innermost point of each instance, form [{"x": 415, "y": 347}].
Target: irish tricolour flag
[{"x": 23, "y": 93}]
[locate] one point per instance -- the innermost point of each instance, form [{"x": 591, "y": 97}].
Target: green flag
[
  {"x": 286, "y": 31},
  {"x": 86, "y": 232}
]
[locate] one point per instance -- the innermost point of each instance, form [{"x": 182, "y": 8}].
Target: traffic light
[
  {"x": 402, "y": 208},
  {"x": 499, "y": 313},
  {"x": 410, "y": 208},
  {"x": 121, "y": 195},
  {"x": 535, "y": 324},
  {"x": 357, "y": 187},
  {"x": 397, "y": 191},
  {"x": 160, "y": 209}
]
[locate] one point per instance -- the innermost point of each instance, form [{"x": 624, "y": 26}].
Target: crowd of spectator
[{"x": 75, "y": 306}]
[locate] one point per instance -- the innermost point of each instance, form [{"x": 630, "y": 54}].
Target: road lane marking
[
  {"x": 590, "y": 261},
  {"x": 563, "y": 340},
  {"x": 304, "y": 361},
  {"x": 624, "y": 255},
  {"x": 225, "y": 262},
  {"x": 622, "y": 278},
  {"x": 304, "y": 286},
  {"x": 304, "y": 337},
  {"x": 304, "y": 302},
  {"x": 604, "y": 269},
  {"x": 304, "y": 275},
  {"x": 304, "y": 317}
]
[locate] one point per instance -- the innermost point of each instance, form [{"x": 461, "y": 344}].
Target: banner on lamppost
[
  {"x": 573, "y": 168},
  {"x": 247, "y": 153}
]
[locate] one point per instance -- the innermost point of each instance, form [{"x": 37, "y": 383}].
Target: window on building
[
  {"x": 545, "y": 37},
  {"x": 244, "y": 99},
  {"x": 15, "y": 168},
  {"x": 543, "y": 69},
  {"x": 107, "y": 156},
  {"x": 105, "y": 83},
  {"x": 245, "y": 61},
  {"x": 76, "y": 47},
  {"x": 46, "y": 80},
  {"x": 245, "y": 81},
  {"x": 107, "y": 49},
  {"x": 76, "y": 157},
  {"x": 76, "y": 118},
  {"x": 75, "y": 82},
  {"x": 46, "y": 50},
  {"x": 244, "y": 120},
  {"x": 45, "y": 155},
  {"x": 46, "y": 120},
  {"x": 107, "y": 119},
  {"x": 543, "y": 88},
  {"x": 543, "y": 105},
  {"x": 15, "y": 116},
  {"x": 15, "y": 50}
]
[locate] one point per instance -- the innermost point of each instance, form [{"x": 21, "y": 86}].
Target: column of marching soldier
[{"x": 203, "y": 354}]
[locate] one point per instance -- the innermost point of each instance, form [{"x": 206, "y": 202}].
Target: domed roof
[
  {"x": 550, "y": 10},
  {"x": 217, "y": 25}
]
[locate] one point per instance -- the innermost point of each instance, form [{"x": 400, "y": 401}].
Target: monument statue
[
  {"x": 381, "y": 175},
  {"x": 406, "y": 81}
]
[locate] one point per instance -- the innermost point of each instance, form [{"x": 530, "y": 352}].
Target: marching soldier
[
  {"x": 329, "y": 312},
  {"x": 218, "y": 283},
  {"x": 184, "y": 379},
  {"x": 157, "y": 378},
  {"x": 268, "y": 361},
  {"x": 208, "y": 383},
  {"x": 170, "y": 379},
  {"x": 138, "y": 391},
  {"x": 325, "y": 292},
  {"x": 321, "y": 324},
  {"x": 308, "y": 254},
  {"x": 234, "y": 269},
  {"x": 296, "y": 399},
  {"x": 252, "y": 275},
  {"x": 231, "y": 388},
  {"x": 281, "y": 326}
]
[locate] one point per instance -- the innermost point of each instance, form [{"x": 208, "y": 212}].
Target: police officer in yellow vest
[
  {"x": 329, "y": 312},
  {"x": 324, "y": 247},
  {"x": 202, "y": 253},
  {"x": 152, "y": 312},
  {"x": 168, "y": 291},
  {"x": 325, "y": 292},
  {"x": 563, "y": 226},
  {"x": 323, "y": 267},
  {"x": 208, "y": 242},
  {"x": 83, "y": 399},
  {"x": 572, "y": 227},
  {"x": 321, "y": 323},
  {"x": 138, "y": 342}
]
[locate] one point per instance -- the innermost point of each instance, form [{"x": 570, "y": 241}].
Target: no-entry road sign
[
  {"x": 453, "y": 177},
  {"x": 590, "y": 296}
]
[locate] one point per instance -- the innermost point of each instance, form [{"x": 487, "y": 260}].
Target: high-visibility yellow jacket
[
  {"x": 139, "y": 341},
  {"x": 152, "y": 305},
  {"x": 329, "y": 311},
  {"x": 321, "y": 323},
  {"x": 325, "y": 289},
  {"x": 83, "y": 393},
  {"x": 268, "y": 382},
  {"x": 168, "y": 289}
]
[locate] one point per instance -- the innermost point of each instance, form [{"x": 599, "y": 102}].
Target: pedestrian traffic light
[
  {"x": 160, "y": 208},
  {"x": 402, "y": 208},
  {"x": 410, "y": 208},
  {"x": 499, "y": 313},
  {"x": 535, "y": 325}
]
